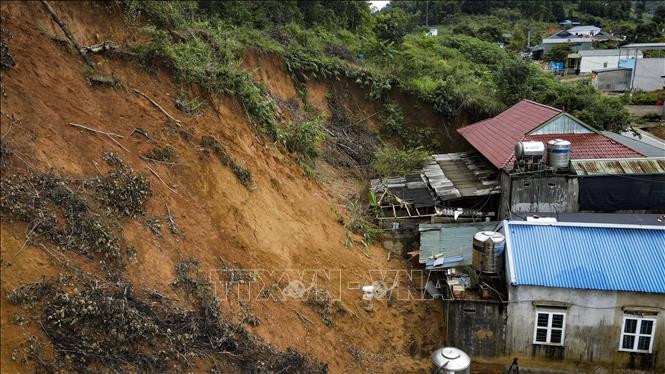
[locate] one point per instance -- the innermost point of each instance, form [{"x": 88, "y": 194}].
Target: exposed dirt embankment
[{"x": 282, "y": 219}]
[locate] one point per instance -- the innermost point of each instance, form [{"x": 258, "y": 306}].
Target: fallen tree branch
[
  {"x": 160, "y": 179},
  {"x": 96, "y": 168},
  {"x": 139, "y": 130},
  {"x": 116, "y": 142},
  {"x": 158, "y": 107},
  {"x": 110, "y": 135},
  {"x": 95, "y": 130},
  {"x": 100, "y": 47},
  {"x": 68, "y": 34}
]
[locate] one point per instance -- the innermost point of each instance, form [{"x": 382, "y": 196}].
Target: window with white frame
[
  {"x": 550, "y": 326},
  {"x": 637, "y": 334}
]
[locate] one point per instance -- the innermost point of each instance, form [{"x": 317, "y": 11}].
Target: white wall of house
[
  {"x": 561, "y": 124},
  {"x": 592, "y": 326},
  {"x": 590, "y": 63},
  {"x": 649, "y": 74}
]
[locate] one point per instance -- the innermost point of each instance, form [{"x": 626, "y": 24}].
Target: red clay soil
[{"x": 287, "y": 221}]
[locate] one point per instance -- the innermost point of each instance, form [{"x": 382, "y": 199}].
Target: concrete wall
[
  {"x": 649, "y": 73},
  {"x": 589, "y": 63},
  {"x": 402, "y": 237},
  {"x": 613, "y": 80},
  {"x": 538, "y": 194},
  {"x": 593, "y": 326},
  {"x": 477, "y": 327}
]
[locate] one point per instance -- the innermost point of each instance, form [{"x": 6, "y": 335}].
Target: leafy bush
[
  {"x": 208, "y": 57},
  {"x": 558, "y": 53},
  {"x": 393, "y": 124},
  {"x": 644, "y": 98},
  {"x": 391, "y": 161},
  {"x": 304, "y": 138},
  {"x": 461, "y": 76}
]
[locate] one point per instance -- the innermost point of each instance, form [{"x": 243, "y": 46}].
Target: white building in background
[
  {"x": 584, "y": 30},
  {"x": 605, "y": 59},
  {"x": 649, "y": 74}
]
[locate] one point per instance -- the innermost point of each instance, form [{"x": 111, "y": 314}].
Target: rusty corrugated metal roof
[{"x": 614, "y": 166}]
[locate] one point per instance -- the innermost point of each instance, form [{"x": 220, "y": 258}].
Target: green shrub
[
  {"x": 211, "y": 61},
  {"x": 393, "y": 124},
  {"x": 305, "y": 137},
  {"x": 644, "y": 98},
  {"x": 391, "y": 161}
]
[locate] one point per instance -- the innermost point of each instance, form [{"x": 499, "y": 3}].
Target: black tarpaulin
[{"x": 622, "y": 192}]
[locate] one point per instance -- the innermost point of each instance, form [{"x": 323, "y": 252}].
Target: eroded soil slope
[{"x": 197, "y": 207}]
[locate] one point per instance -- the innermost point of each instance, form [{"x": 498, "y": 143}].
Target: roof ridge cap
[{"x": 543, "y": 105}]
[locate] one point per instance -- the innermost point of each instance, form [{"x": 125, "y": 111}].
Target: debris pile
[
  {"x": 110, "y": 326},
  {"x": 121, "y": 191},
  {"x": 164, "y": 154},
  {"x": 57, "y": 214},
  {"x": 351, "y": 144},
  {"x": 320, "y": 299},
  {"x": 6, "y": 59}
]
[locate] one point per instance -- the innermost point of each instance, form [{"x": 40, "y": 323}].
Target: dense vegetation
[{"x": 463, "y": 72}]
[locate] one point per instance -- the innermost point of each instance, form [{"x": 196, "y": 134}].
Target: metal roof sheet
[
  {"x": 463, "y": 174},
  {"x": 585, "y": 146},
  {"x": 411, "y": 188},
  {"x": 583, "y": 28},
  {"x": 612, "y": 218},
  {"x": 636, "y": 144},
  {"x": 453, "y": 240},
  {"x": 621, "y": 166},
  {"x": 644, "y": 46},
  {"x": 496, "y": 137},
  {"x": 601, "y": 52},
  {"x": 586, "y": 256}
]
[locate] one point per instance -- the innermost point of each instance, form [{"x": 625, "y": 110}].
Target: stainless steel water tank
[
  {"x": 529, "y": 149},
  {"x": 449, "y": 360},
  {"x": 488, "y": 247},
  {"x": 558, "y": 153}
]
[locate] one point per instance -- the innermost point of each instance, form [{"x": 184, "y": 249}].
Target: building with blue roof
[{"x": 590, "y": 292}]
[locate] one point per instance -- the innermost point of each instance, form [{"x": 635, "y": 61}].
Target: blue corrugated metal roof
[{"x": 586, "y": 256}]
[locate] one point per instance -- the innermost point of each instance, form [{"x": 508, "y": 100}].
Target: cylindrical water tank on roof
[
  {"x": 449, "y": 360},
  {"x": 558, "y": 153},
  {"x": 488, "y": 249},
  {"x": 529, "y": 149}
]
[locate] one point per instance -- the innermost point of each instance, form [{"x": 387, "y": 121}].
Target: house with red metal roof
[{"x": 495, "y": 138}]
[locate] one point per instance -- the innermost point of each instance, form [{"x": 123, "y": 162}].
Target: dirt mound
[{"x": 218, "y": 192}]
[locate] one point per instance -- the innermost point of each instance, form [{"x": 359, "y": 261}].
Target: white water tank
[
  {"x": 529, "y": 149},
  {"x": 488, "y": 247},
  {"x": 558, "y": 153},
  {"x": 449, "y": 360}
]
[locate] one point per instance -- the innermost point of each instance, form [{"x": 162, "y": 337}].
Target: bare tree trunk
[{"x": 69, "y": 35}]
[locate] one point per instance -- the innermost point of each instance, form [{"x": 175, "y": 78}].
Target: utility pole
[
  {"x": 426, "y": 12},
  {"x": 528, "y": 39}
]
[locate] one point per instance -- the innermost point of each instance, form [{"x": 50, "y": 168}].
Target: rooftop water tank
[
  {"x": 488, "y": 247},
  {"x": 449, "y": 360},
  {"x": 558, "y": 153},
  {"x": 529, "y": 149}
]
